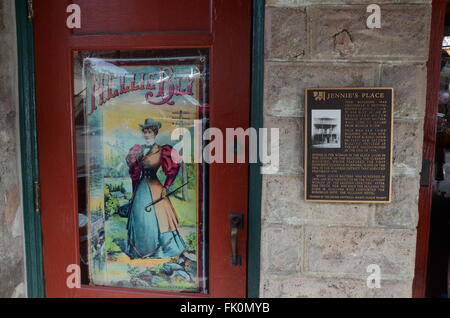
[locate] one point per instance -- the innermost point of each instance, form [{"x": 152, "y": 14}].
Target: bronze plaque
[{"x": 348, "y": 144}]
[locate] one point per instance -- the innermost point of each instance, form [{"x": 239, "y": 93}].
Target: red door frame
[
  {"x": 429, "y": 146},
  {"x": 229, "y": 40}
]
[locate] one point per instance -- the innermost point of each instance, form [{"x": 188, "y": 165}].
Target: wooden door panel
[
  {"x": 228, "y": 40},
  {"x": 144, "y": 16}
]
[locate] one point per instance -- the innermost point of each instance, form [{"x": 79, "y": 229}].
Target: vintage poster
[
  {"x": 143, "y": 204},
  {"x": 348, "y": 144}
]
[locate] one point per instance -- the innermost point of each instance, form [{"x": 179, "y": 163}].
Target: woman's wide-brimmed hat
[{"x": 150, "y": 123}]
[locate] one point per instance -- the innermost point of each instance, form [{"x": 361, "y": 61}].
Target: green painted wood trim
[
  {"x": 256, "y": 115},
  {"x": 28, "y": 148}
]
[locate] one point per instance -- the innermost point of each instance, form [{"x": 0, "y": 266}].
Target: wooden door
[{"x": 117, "y": 38}]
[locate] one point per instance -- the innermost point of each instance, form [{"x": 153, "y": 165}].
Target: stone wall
[
  {"x": 12, "y": 273},
  {"x": 323, "y": 250}
]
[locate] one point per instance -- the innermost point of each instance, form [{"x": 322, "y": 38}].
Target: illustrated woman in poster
[{"x": 153, "y": 222}]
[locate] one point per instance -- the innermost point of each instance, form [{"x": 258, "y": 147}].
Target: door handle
[{"x": 236, "y": 223}]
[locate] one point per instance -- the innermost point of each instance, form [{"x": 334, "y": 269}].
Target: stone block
[
  {"x": 409, "y": 83},
  {"x": 336, "y": 213},
  {"x": 286, "y": 36},
  {"x": 331, "y": 214},
  {"x": 286, "y": 3},
  {"x": 270, "y": 286},
  {"x": 285, "y": 82},
  {"x": 291, "y": 141},
  {"x": 283, "y": 199},
  {"x": 408, "y": 142},
  {"x": 293, "y": 3},
  {"x": 320, "y": 288},
  {"x": 341, "y": 32},
  {"x": 12, "y": 273},
  {"x": 403, "y": 211},
  {"x": 282, "y": 249},
  {"x": 283, "y": 202},
  {"x": 352, "y": 250},
  {"x": 391, "y": 289},
  {"x": 12, "y": 201},
  {"x": 342, "y": 288}
]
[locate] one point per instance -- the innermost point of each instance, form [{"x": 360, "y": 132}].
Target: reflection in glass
[{"x": 141, "y": 208}]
